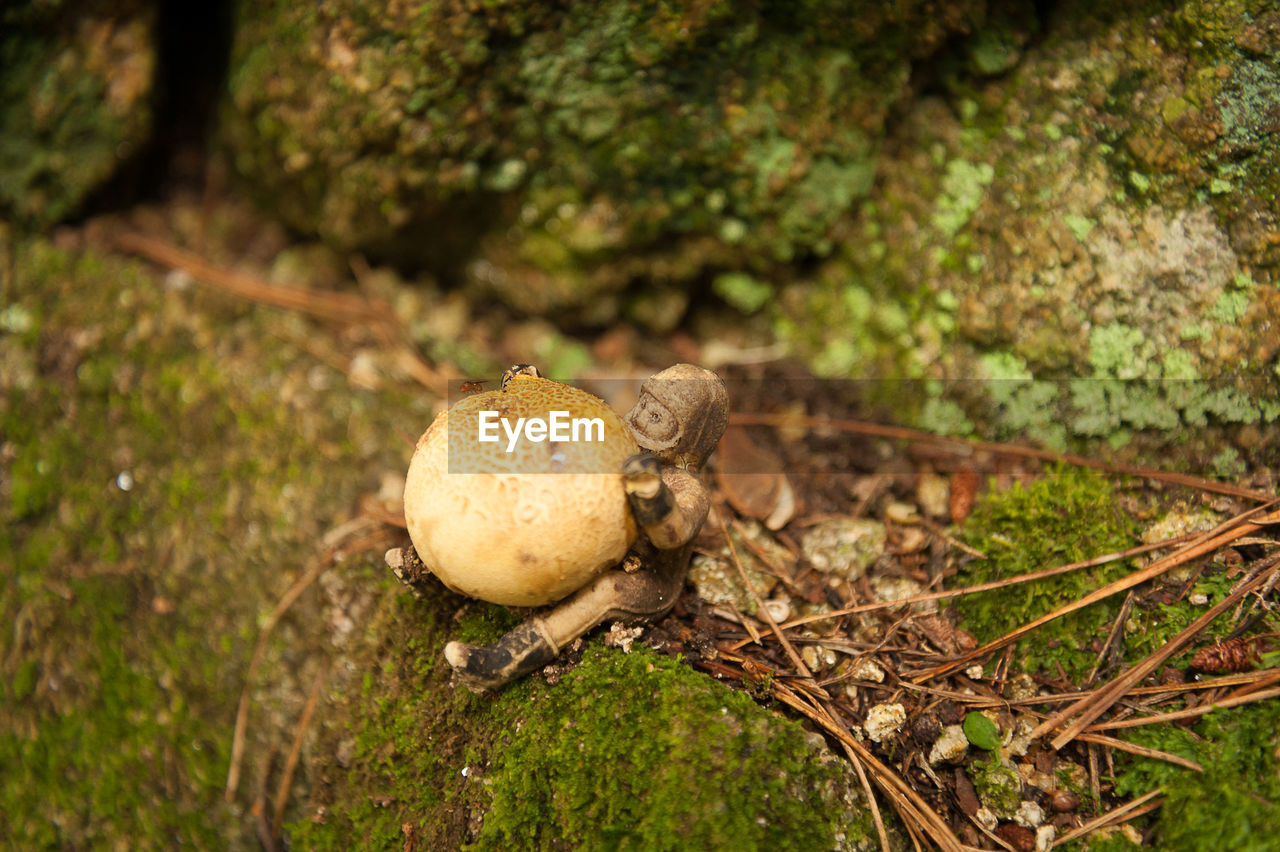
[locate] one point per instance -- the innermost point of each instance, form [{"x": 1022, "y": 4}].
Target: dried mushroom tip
[
  {"x": 518, "y": 370},
  {"x": 524, "y": 527},
  {"x": 520, "y": 652},
  {"x": 409, "y": 570}
]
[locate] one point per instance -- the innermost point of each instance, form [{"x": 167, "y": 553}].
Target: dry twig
[
  {"x": 966, "y": 446},
  {"x": 330, "y": 544},
  {"x": 295, "y": 751},
  {"x": 1142, "y": 751},
  {"x": 345, "y": 308},
  {"x": 1187, "y": 713},
  {"x": 1130, "y": 810},
  {"x": 317, "y": 567},
  {"x": 993, "y": 584}
]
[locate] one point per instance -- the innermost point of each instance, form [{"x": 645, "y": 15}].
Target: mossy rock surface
[
  {"x": 172, "y": 462},
  {"x": 621, "y": 756},
  {"x": 166, "y": 476},
  {"x": 1081, "y": 232},
  {"x": 583, "y": 146},
  {"x": 618, "y": 751},
  {"x": 1085, "y": 192},
  {"x": 75, "y": 101}
]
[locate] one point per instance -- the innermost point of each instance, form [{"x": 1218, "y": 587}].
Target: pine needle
[
  {"x": 966, "y": 446},
  {"x": 1095, "y": 704}
]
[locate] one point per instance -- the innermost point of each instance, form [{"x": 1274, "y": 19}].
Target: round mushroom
[{"x": 521, "y": 522}]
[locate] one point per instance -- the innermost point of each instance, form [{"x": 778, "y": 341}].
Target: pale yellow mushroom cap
[{"x": 509, "y": 528}]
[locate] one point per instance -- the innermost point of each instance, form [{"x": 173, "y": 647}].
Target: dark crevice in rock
[{"x": 194, "y": 45}]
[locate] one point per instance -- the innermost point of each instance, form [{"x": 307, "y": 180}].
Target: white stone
[
  {"x": 884, "y": 721},
  {"x": 950, "y": 747}
]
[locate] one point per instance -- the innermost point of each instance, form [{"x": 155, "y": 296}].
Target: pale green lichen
[
  {"x": 963, "y": 187},
  {"x": 1080, "y": 226},
  {"x": 1229, "y": 307},
  {"x": 742, "y": 291},
  {"x": 1119, "y": 351}
]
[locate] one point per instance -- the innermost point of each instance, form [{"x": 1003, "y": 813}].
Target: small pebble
[
  {"x": 950, "y": 747},
  {"x": 933, "y": 493},
  {"x": 1063, "y": 801},
  {"x": 865, "y": 668},
  {"x": 901, "y": 513},
  {"x": 1029, "y": 814},
  {"x": 844, "y": 547},
  {"x": 884, "y": 721},
  {"x": 779, "y": 609}
]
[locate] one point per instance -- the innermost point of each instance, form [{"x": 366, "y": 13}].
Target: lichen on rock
[{"x": 587, "y": 146}]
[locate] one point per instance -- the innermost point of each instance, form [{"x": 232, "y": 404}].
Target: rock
[
  {"x": 844, "y": 548},
  {"x": 999, "y": 788},
  {"x": 556, "y": 155},
  {"x": 890, "y": 587},
  {"x": 1095, "y": 235},
  {"x": 884, "y": 720},
  {"x": 950, "y": 747},
  {"x": 817, "y": 658},
  {"x": 75, "y": 101},
  {"x": 718, "y": 582},
  {"x": 1029, "y": 814},
  {"x": 933, "y": 493},
  {"x": 1179, "y": 522}
]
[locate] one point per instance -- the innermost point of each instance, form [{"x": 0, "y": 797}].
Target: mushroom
[
  {"x": 521, "y": 522},
  {"x": 601, "y": 528}
]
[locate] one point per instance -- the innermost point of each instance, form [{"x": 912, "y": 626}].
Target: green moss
[
  {"x": 625, "y": 751},
  {"x": 631, "y": 752},
  {"x": 157, "y": 498},
  {"x": 1067, "y": 516},
  {"x": 998, "y": 786},
  {"x": 1229, "y": 806}
]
